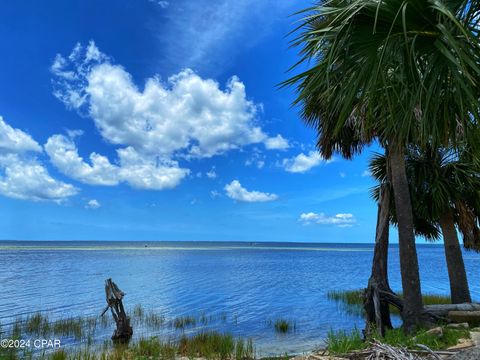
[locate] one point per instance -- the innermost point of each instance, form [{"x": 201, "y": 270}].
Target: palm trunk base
[{"x": 377, "y": 309}]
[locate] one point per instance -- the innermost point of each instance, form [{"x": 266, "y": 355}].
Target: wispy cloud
[
  {"x": 163, "y": 4},
  {"x": 199, "y": 35},
  {"x": 212, "y": 174},
  {"x": 340, "y": 220}
]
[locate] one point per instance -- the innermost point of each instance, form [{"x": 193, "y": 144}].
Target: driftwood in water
[{"x": 114, "y": 297}]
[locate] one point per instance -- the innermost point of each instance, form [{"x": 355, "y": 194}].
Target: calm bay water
[{"x": 248, "y": 285}]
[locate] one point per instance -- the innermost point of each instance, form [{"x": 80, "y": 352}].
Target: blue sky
[{"x": 161, "y": 120}]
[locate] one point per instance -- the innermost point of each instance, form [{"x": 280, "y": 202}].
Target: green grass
[
  {"x": 283, "y": 326},
  {"x": 154, "y": 320},
  {"x": 37, "y": 324},
  {"x": 71, "y": 327},
  {"x": 152, "y": 347},
  {"x": 352, "y": 300},
  {"x": 59, "y": 355},
  {"x": 213, "y": 345},
  {"x": 342, "y": 342},
  {"x": 40, "y": 324},
  {"x": 208, "y": 345},
  {"x": 184, "y": 321},
  {"x": 83, "y": 329}
]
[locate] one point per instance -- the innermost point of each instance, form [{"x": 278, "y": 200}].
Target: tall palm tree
[
  {"x": 401, "y": 72},
  {"x": 378, "y": 314},
  {"x": 440, "y": 182},
  {"x": 443, "y": 184}
]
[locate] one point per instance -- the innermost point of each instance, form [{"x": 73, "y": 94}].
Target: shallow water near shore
[{"x": 241, "y": 288}]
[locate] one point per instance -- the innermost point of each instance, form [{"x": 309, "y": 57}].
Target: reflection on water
[{"x": 245, "y": 286}]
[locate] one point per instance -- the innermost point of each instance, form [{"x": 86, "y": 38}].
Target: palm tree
[
  {"x": 440, "y": 182},
  {"x": 400, "y": 72},
  {"x": 443, "y": 184},
  {"x": 378, "y": 295}
]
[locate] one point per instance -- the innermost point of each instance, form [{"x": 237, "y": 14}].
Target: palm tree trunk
[
  {"x": 413, "y": 303},
  {"x": 380, "y": 256},
  {"x": 378, "y": 311},
  {"x": 459, "y": 290}
]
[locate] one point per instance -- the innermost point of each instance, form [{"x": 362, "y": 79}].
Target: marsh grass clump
[
  {"x": 350, "y": 299},
  {"x": 59, "y": 355},
  {"x": 37, "y": 324},
  {"x": 432, "y": 299},
  {"x": 184, "y": 321},
  {"x": 70, "y": 327},
  {"x": 341, "y": 342},
  {"x": 8, "y": 354},
  {"x": 353, "y": 300},
  {"x": 204, "y": 319},
  {"x": 284, "y": 326},
  {"x": 154, "y": 320},
  {"x": 153, "y": 347},
  {"x": 17, "y": 328},
  {"x": 40, "y": 324},
  {"x": 214, "y": 345},
  {"x": 244, "y": 350},
  {"x": 138, "y": 311}
]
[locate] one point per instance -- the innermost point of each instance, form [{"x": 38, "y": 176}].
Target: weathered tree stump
[{"x": 114, "y": 297}]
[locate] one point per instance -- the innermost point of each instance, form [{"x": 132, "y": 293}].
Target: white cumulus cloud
[
  {"x": 151, "y": 173},
  {"x": 277, "y": 143},
  {"x": 93, "y": 204},
  {"x": 22, "y": 175},
  {"x": 340, "y": 220},
  {"x": 64, "y": 155},
  {"x": 303, "y": 162},
  {"x": 186, "y": 114},
  {"x": 184, "y": 117},
  {"x": 27, "y": 179},
  {"x": 15, "y": 140},
  {"x": 235, "y": 191},
  {"x": 139, "y": 171}
]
